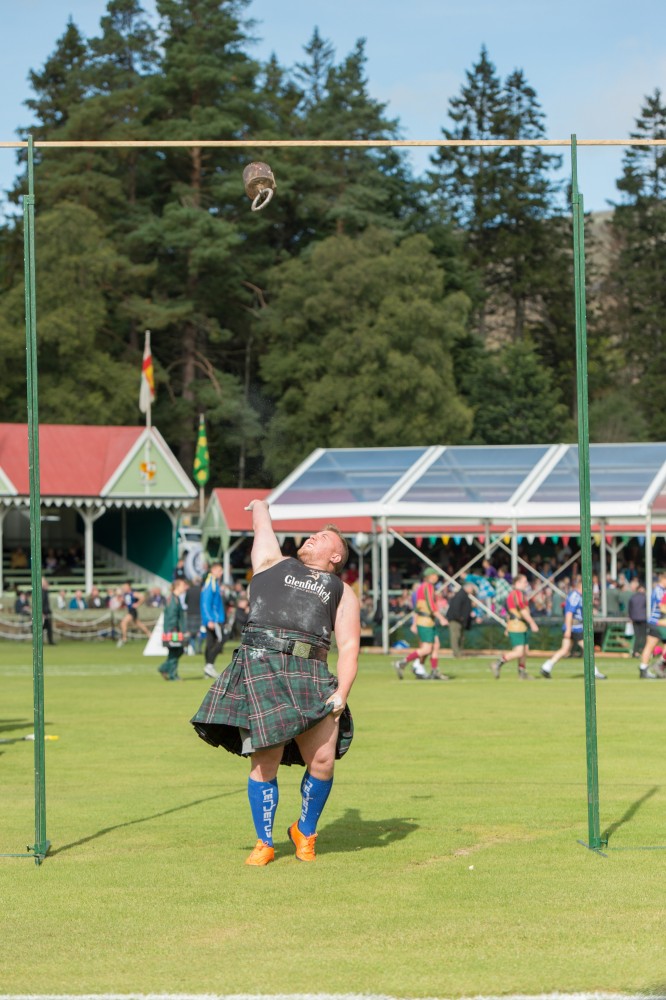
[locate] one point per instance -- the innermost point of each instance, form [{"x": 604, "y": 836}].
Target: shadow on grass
[
  {"x": 11, "y": 725},
  {"x": 353, "y": 833},
  {"x": 142, "y": 819},
  {"x": 629, "y": 814}
]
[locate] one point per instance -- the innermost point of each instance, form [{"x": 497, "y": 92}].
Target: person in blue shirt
[
  {"x": 656, "y": 631},
  {"x": 572, "y": 629},
  {"x": 213, "y": 617}
]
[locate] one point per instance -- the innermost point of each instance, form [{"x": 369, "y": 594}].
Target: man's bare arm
[
  {"x": 348, "y": 640},
  {"x": 265, "y": 547}
]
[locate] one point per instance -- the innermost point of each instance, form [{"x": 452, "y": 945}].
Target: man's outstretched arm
[{"x": 265, "y": 547}]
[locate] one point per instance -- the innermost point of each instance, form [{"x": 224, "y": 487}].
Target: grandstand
[{"x": 117, "y": 493}]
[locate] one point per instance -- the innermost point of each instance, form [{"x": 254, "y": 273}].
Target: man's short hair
[{"x": 338, "y": 567}]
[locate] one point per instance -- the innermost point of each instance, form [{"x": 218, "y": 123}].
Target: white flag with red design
[{"x": 147, "y": 391}]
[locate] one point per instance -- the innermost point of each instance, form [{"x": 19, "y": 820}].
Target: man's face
[
  {"x": 321, "y": 549},
  {"x": 216, "y": 571}
]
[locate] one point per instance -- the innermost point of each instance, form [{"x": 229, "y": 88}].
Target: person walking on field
[
  {"x": 656, "y": 632},
  {"x": 572, "y": 629},
  {"x": 131, "y": 602},
  {"x": 459, "y": 617},
  {"x": 518, "y": 625},
  {"x": 213, "y": 617},
  {"x": 277, "y": 703},
  {"x": 426, "y": 616},
  {"x": 175, "y": 623},
  {"x": 637, "y": 612}
]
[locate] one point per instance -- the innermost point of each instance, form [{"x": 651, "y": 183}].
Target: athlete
[
  {"x": 213, "y": 617},
  {"x": 572, "y": 629},
  {"x": 131, "y": 602},
  {"x": 426, "y": 617},
  {"x": 518, "y": 625},
  {"x": 277, "y": 703},
  {"x": 656, "y": 632}
]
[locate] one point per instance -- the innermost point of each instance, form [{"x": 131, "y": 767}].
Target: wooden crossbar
[{"x": 305, "y": 143}]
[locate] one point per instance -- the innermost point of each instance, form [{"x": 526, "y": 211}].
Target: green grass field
[{"x": 448, "y": 862}]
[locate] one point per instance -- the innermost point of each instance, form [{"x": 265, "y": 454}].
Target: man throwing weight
[{"x": 277, "y": 703}]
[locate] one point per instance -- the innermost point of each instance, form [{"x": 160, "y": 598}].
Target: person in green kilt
[{"x": 277, "y": 703}]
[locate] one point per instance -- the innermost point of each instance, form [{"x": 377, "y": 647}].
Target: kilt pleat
[{"x": 276, "y": 696}]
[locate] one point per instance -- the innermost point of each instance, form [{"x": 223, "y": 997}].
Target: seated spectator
[
  {"x": 116, "y": 600},
  {"x": 502, "y": 590},
  {"x": 77, "y": 603},
  {"x": 395, "y": 578},
  {"x": 488, "y": 569},
  {"x": 73, "y": 557},
  {"x": 61, "y": 600},
  {"x": 367, "y": 612},
  {"x": 95, "y": 599},
  {"x": 21, "y": 604},
  {"x": 156, "y": 597},
  {"x": 50, "y": 561},
  {"x": 539, "y": 603},
  {"x": 18, "y": 559}
]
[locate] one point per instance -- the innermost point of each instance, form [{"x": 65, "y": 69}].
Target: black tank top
[{"x": 292, "y": 596}]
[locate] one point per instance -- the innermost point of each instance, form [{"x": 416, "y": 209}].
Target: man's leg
[
  {"x": 262, "y": 793},
  {"x": 644, "y": 671},
  {"x": 455, "y": 631},
  {"x": 123, "y": 630},
  {"x": 515, "y": 653},
  {"x": 144, "y": 628},
  {"x": 317, "y": 747},
  {"x": 415, "y": 657},
  {"x": 174, "y": 658},
  {"x": 548, "y": 665},
  {"x": 214, "y": 643},
  {"x": 640, "y": 637}
]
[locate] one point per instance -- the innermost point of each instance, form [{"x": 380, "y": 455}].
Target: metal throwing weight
[{"x": 259, "y": 184}]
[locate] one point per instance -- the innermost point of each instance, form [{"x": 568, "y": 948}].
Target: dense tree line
[{"x": 365, "y": 306}]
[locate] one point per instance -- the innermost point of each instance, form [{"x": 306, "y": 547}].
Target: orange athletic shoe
[
  {"x": 262, "y": 854},
  {"x": 305, "y": 846}
]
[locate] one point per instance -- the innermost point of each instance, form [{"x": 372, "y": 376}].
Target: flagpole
[
  {"x": 201, "y": 465},
  {"x": 202, "y": 486},
  {"x": 146, "y": 450}
]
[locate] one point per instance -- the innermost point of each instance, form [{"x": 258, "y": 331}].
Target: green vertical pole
[
  {"x": 594, "y": 836},
  {"x": 41, "y": 845}
]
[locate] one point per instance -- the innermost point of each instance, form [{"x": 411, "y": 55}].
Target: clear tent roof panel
[
  {"x": 438, "y": 483},
  {"x": 475, "y": 475},
  {"x": 619, "y": 473},
  {"x": 349, "y": 476}
]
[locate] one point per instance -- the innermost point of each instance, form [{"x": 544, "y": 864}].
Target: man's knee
[
  {"x": 317, "y": 748},
  {"x": 265, "y": 763}
]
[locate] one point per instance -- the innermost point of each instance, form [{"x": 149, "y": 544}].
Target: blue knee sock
[
  {"x": 263, "y": 796},
  {"x": 314, "y": 792}
]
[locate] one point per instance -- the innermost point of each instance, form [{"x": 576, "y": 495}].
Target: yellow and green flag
[{"x": 201, "y": 457}]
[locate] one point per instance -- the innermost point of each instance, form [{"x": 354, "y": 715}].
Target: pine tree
[
  {"x": 637, "y": 284},
  {"x": 501, "y": 197},
  {"x": 200, "y": 307},
  {"x": 359, "y": 333}
]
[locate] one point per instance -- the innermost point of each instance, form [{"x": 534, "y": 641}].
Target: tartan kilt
[{"x": 276, "y": 696}]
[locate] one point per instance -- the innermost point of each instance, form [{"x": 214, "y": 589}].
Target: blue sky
[{"x": 591, "y": 62}]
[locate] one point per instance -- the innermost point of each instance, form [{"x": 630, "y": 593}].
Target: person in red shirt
[
  {"x": 518, "y": 626},
  {"x": 426, "y": 617}
]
